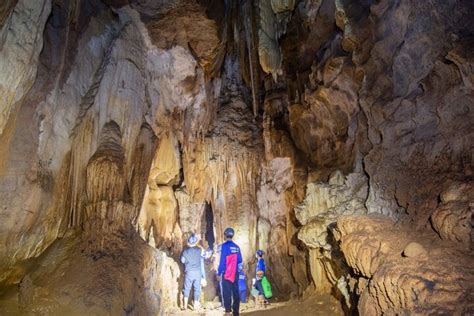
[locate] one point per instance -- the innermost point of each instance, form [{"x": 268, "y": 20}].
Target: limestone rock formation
[
  {"x": 273, "y": 17},
  {"x": 325, "y": 126},
  {"x": 335, "y": 135},
  {"x": 21, "y": 41},
  {"x": 453, "y": 219},
  {"x": 399, "y": 281},
  {"x": 319, "y": 211},
  {"x": 93, "y": 137}
]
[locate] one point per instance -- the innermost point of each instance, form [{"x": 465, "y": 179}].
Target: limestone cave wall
[{"x": 335, "y": 135}]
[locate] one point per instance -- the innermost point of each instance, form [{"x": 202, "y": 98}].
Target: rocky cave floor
[
  {"x": 336, "y": 135},
  {"x": 320, "y": 305}
]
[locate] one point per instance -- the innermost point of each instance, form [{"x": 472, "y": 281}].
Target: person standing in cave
[
  {"x": 230, "y": 264},
  {"x": 195, "y": 275},
  {"x": 260, "y": 274},
  {"x": 243, "y": 286}
]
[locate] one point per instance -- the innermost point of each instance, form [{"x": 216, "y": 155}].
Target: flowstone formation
[
  {"x": 335, "y": 135},
  {"x": 79, "y": 150},
  {"x": 384, "y": 101}
]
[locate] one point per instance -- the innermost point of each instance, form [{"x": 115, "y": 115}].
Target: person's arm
[
  {"x": 239, "y": 261},
  {"x": 221, "y": 268},
  {"x": 183, "y": 258},
  {"x": 203, "y": 271}
]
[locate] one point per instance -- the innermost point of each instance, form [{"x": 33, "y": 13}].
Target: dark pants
[
  {"x": 259, "y": 287},
  {"x": 230, "y": 294},
  {"x": 243, "y": 296}
]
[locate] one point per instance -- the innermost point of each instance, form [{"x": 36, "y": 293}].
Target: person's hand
[
  {"x": 219, "y": 278},
  {"x": 203, "y": 282}
]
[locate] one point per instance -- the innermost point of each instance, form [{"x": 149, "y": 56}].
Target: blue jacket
[
  {"x": 260, "y": 265},
  {"x": 242, "y": 281},
  {"x": 230, "y": 262}
]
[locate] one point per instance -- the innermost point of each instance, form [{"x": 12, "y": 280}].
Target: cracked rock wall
[
  {"x": 386, "y": 96},
  {"x": 335, "y": 135},
  {"x": 77, "y": 153}
]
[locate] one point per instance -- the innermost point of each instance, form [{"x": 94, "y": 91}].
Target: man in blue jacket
[{"x": 230, "y": 264}]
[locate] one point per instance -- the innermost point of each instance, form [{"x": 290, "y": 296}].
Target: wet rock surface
[{"x": 335, "y": 135}]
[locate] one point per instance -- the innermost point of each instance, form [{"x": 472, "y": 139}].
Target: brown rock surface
[
  {"x": 453, "y": 219},
  {"x": 335, "y": 135},
  {"x": 85, "y": 149},
  {"x": 419, "y": 283}
]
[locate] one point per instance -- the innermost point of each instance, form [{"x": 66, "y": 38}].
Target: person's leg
[
  {"x": 243, "y": 296},
  {"x": 196, "y": 280},
  {"x": 236, "y": 298},
  {"x": 197, "y": 291},
  {"x": 227, "y": 295},
  {"x": 187, "y": 289},
  {"x": 221, "y": 293},
  {"x": 261, "y": 296},
  {"x": 259, "y": 287}
]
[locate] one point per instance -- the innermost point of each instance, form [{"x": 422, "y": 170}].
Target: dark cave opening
[{"x": 209, "y": 227}]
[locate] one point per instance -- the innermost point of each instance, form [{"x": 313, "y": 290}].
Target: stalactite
[{"x": 122, "y": 122}]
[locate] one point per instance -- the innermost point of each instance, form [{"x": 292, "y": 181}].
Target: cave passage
[{"x": 335, "y": 135}]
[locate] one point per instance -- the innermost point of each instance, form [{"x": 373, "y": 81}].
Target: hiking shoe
[{"x": 197, "y": 306}]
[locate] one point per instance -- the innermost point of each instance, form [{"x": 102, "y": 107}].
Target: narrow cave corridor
[{"x": 335, "y": 138}]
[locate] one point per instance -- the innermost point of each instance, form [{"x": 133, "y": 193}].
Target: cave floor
[{"x": 315, "y": 305}]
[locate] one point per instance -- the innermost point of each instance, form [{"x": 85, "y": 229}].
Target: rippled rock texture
[
  {"x": 78, "y": 153},
  {"x": 402, "y": 271},
  {"x": 335, "y": 135},
  {"x": 387, "y": 96}
]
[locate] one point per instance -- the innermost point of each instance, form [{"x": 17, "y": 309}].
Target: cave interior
[{"x": 335, "y": 135}]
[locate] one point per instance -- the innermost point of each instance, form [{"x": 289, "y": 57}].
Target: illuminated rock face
[
  {"x": 86, "y": 136},
  {"x": 386, "y": 257},
  {"x": 335, "y": 135},
  {"x": 392, "y": 118},
  {"x": 22, "y": 24}
]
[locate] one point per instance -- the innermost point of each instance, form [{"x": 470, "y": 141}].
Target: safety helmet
[
  {"x": 193, "y": 240},
  {"x": 229, "y": 232},
  {"x": 260, "y": 252}
]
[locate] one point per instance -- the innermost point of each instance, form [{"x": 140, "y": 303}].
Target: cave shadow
[{"x": 341, "y": 269}]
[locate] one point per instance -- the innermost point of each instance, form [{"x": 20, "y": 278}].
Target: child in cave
[
  {"x": 242, "y": 286},
  {"x": 257, "y": 290}
]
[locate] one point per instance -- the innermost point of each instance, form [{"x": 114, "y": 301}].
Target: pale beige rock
[
  {"x": 323, "y": 205},
  {"x": 20, "y": 46},
  {"x": 273, "y": 18},
  {"x": 339, "y": 199},
  {"x": 223, "y": 170},
  {"x": 95, "y": 147},
  {"x": 413, "y": 250},
  {"x": 373, "y": 247},
  {"x": 189, "y": 211},
  {"x": 274, "y": 224},
  {"x": 158, "y": 218},
  {"x": 166, "y": 164},
  {"x": 279, "y": 6},
  {"x": 139, "y": 129}
]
